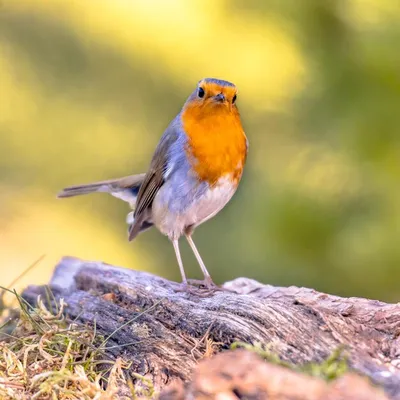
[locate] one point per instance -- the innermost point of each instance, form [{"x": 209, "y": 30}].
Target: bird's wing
[{"x": 153, "y": 180}]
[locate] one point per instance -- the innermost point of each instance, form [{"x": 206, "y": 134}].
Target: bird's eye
[
  {"x": 234, "y": 99},
  {"x": 201, "y": 92}
]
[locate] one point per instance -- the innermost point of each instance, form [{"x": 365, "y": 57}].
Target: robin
[{"x": 194, "y": 172}]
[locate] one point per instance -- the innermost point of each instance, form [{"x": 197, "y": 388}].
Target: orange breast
[{"x": 216, "y": 142}]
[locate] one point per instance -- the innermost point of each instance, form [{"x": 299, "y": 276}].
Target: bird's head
[{"x": 213, "y": 95}]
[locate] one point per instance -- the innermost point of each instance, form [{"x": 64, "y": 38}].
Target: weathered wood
[{"x": 168, "y": 328}]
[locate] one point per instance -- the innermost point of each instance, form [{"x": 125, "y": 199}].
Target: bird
[{"x": 194, "y": 172}]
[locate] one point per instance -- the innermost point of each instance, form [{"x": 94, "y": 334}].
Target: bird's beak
[{"x": 220, "y": 98}]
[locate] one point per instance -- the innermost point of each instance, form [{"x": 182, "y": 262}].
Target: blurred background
[{"x": 87, "y": 88}]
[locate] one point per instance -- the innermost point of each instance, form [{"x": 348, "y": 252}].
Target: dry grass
[{"x": 46, "y": 356}]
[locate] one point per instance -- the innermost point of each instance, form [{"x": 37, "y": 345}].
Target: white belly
[{"x": 174, "y": 224}]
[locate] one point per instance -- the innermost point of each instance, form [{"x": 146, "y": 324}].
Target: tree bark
[{"x": 165, "y": 331}]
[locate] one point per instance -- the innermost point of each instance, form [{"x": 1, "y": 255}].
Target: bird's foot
[
  {"x": 206, "y": 283},
  {"x": 199, "y": 287}
]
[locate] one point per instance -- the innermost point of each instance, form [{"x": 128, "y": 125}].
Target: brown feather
[{"x": 152, "y": 182}]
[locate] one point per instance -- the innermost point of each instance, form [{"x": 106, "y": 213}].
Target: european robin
[{"x": 194, "y": 172}]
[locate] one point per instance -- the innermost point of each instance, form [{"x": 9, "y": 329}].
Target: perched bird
[{"x": 194, "y": 172}]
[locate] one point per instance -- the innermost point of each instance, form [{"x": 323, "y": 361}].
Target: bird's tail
[
  {"x": 84, "y": 189},
  {"x": 126, "y": 188},
  {"x": 128, "y": 185}
]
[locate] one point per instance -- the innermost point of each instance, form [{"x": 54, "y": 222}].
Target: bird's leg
[
  {"x": 184, "y": 286},
  {"x": 175, "y": 243},
  {"x": 207, "y": 282}
]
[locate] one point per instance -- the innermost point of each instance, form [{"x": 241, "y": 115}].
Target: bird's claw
[
  {"x": 199, "y": 288},
  {"x": 206, "y": 283}
]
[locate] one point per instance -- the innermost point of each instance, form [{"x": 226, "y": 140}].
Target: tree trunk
[{"x": 165, "y": 331}]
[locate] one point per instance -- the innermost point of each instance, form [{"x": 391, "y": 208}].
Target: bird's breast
[
  {"x": 177, "y": 207},
  {"x": 216, "y": 144}
]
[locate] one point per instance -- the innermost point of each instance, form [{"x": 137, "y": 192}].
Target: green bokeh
[{"x": 319, "y": 204}]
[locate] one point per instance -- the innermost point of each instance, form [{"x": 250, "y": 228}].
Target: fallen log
[{"x": 164, "y": 331}]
